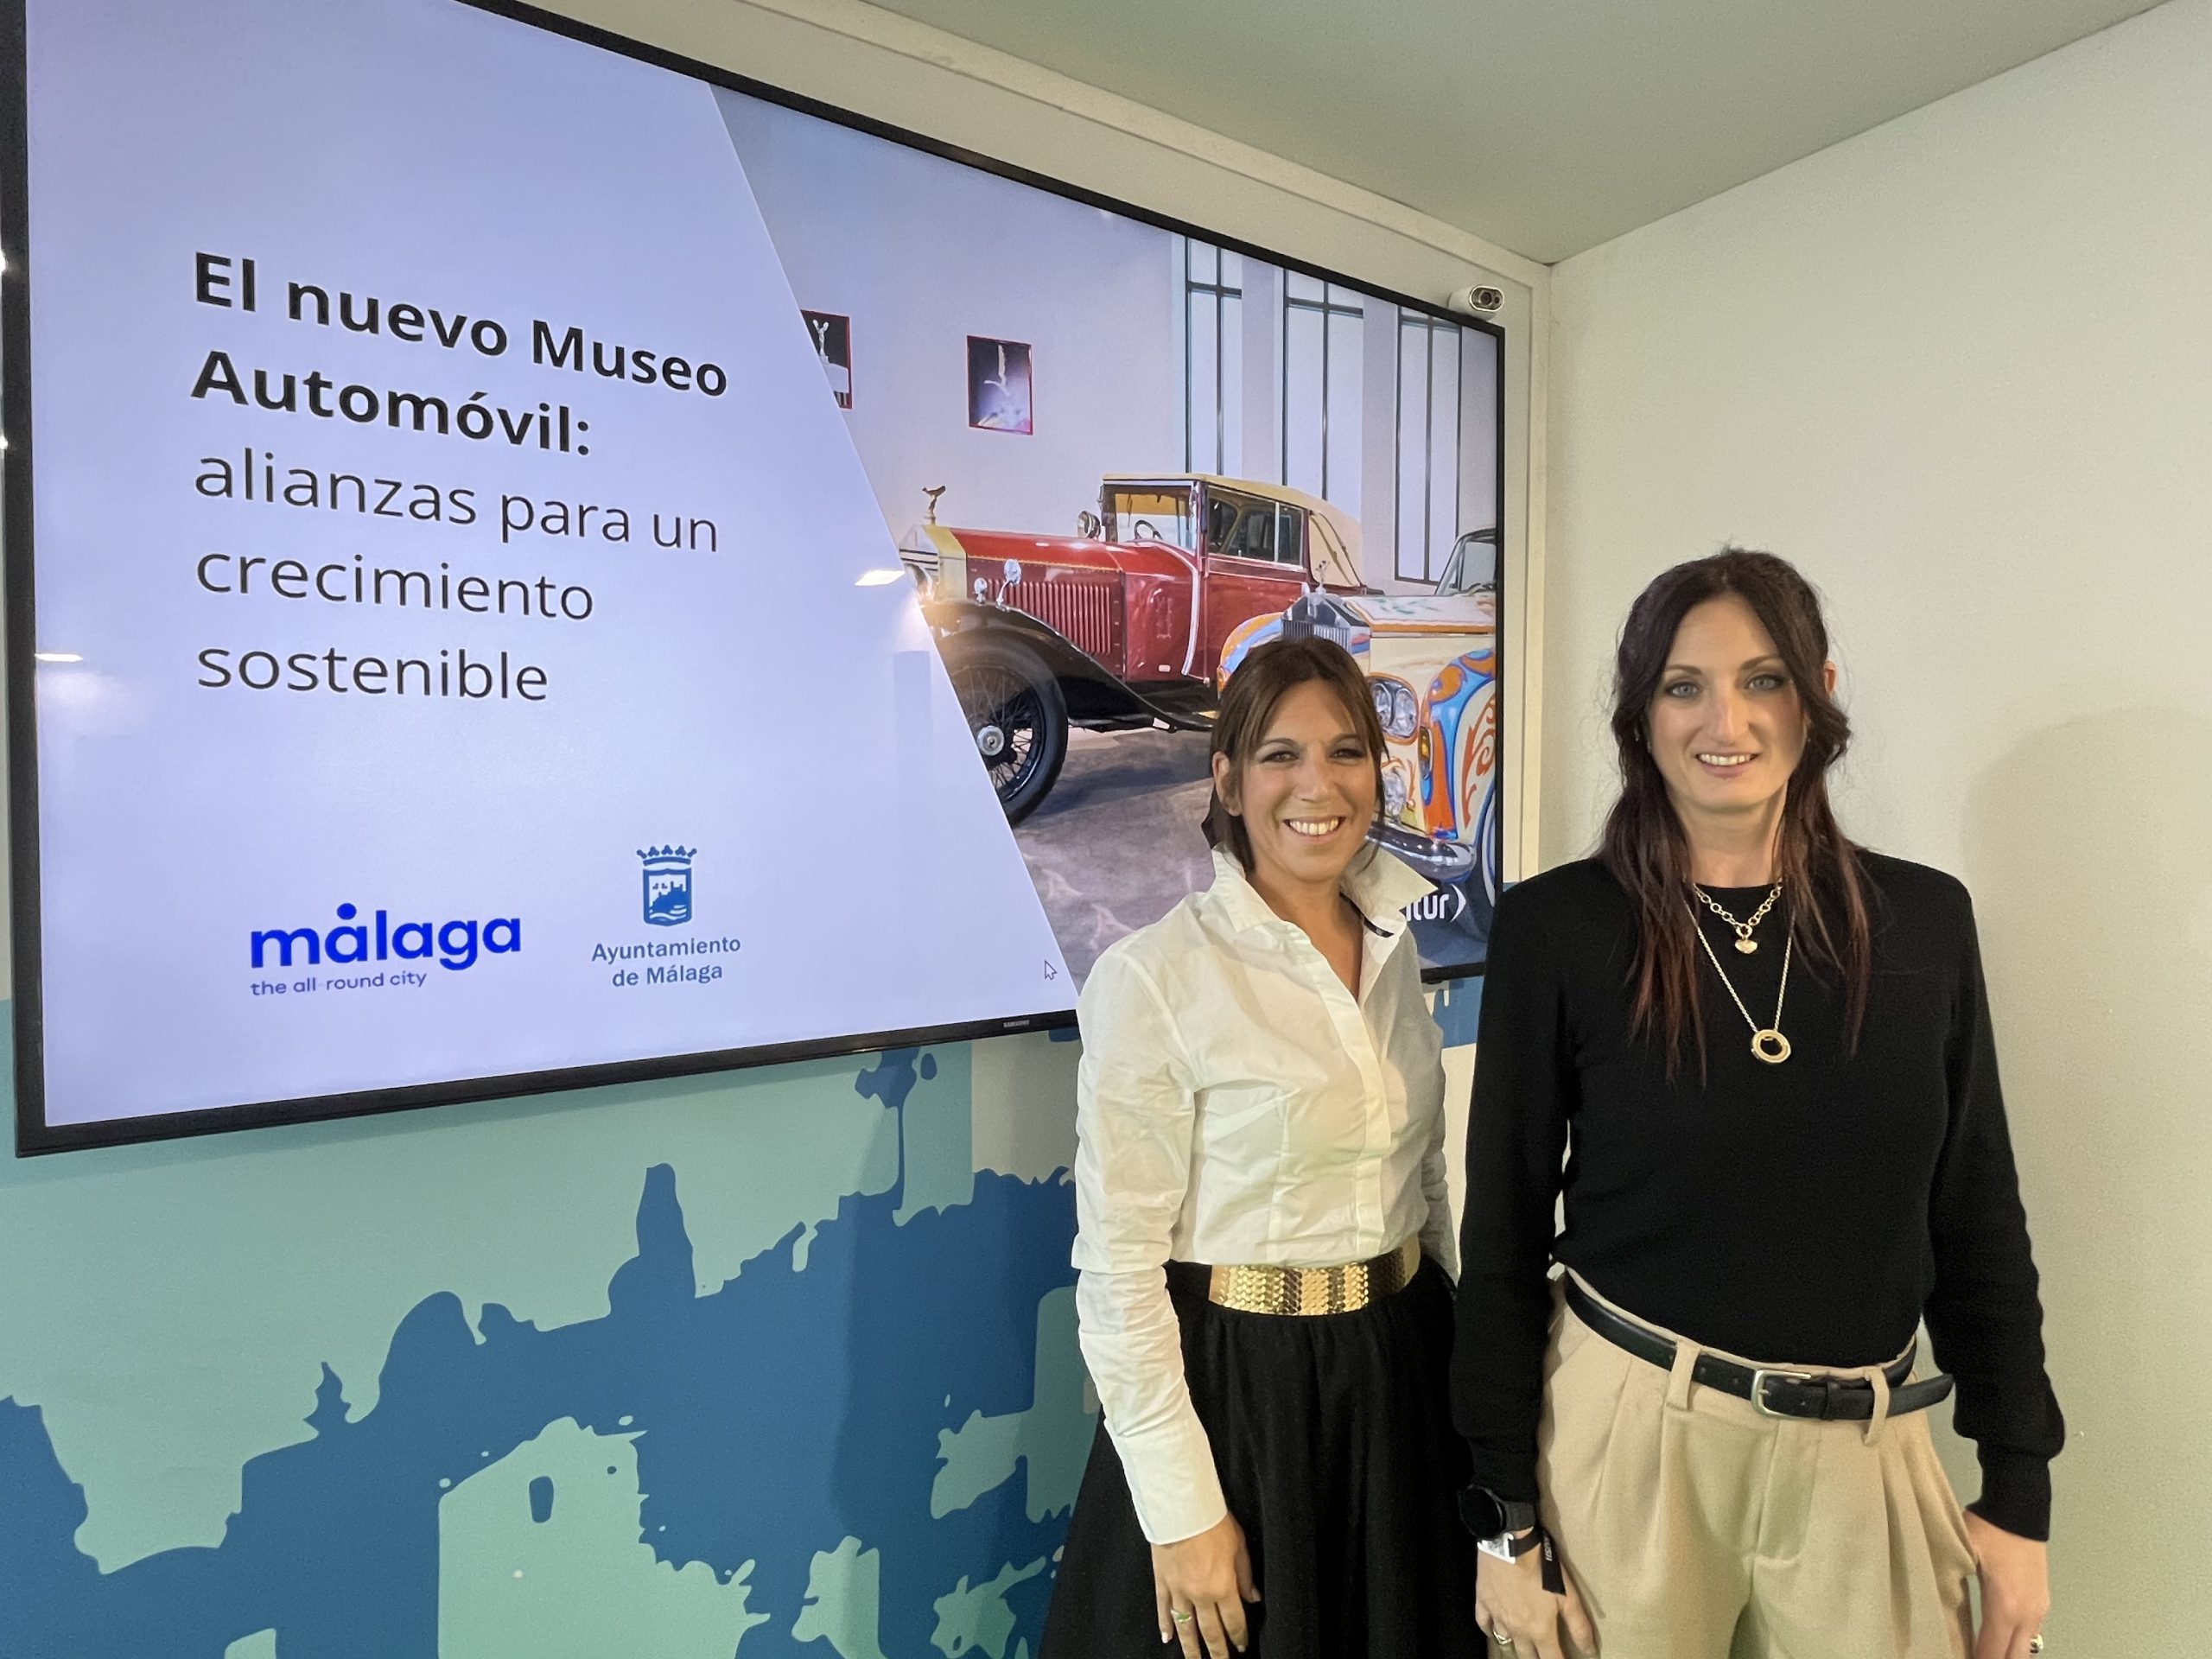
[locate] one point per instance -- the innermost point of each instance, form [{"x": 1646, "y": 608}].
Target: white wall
[
  {"x": 949, "y": 252},
  {"x": 1961, "y": 369}
]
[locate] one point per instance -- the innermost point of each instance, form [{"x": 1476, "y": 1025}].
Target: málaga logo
[
  {"x": 456, "y": 945},
  {"x": 668, "y": 884}
]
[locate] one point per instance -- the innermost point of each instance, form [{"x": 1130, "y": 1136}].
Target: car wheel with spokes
[{"x": 1016, "y": 714}]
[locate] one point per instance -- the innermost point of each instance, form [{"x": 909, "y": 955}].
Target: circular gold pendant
[
  {"x": 1770, "y": 1045},
  {"x": 1747, "y": 945}
]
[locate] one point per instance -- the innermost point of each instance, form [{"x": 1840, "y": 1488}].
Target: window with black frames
[
  {"x": 1322, "y": 335},
  {"x": 1213, "y": 357},
  {"x": 1429, "y": 409}
]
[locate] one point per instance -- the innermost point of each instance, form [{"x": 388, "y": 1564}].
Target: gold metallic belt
[{"x": 1261, "y": 1289}]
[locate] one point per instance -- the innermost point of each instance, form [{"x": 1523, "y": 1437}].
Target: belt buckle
[{"x": 1758, "y": 1388}]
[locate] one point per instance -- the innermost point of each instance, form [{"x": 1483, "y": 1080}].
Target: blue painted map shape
[{"x": 774, "y": 1416}]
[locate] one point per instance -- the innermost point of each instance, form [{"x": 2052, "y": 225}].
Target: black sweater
[{"x": 1812, "y": 1211}]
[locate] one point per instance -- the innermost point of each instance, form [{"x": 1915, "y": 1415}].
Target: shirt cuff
[
  {"x": 2015, "y": 1492},
  {"x": 1172, "y": 1481}
]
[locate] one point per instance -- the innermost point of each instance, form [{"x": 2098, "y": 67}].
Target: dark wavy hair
[
  {"x": 1248, "y": 704},
  {"x": 1644, "y": 846}
]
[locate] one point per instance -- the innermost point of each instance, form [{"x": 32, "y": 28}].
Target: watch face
[{"x": 1481, "y": 1512}]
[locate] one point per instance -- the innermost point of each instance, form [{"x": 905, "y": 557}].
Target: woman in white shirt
[{"x": 1263, "y": 1228}]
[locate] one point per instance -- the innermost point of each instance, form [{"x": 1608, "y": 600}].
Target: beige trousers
[{"x": 1698, "y": 1528}]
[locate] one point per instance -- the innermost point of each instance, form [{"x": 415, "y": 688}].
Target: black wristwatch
[{"x": 1489, "y": 1517}]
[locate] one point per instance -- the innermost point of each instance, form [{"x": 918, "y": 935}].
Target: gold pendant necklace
[
  {"x": 1768, "y": 1043},
  {"x": 1744, "y": 942}
]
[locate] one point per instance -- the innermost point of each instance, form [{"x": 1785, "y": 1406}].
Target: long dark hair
[
  {"x": 1644, "y": 846},
  {"x": 1248, "y": 704}
]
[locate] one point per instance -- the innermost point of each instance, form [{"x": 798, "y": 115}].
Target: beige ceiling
[{"x": 1547, "y": 126}]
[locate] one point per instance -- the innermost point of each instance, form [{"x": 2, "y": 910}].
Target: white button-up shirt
[{"x": 1235, "y": 1103}]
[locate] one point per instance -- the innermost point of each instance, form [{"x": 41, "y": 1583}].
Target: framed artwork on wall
[
  {"x": 832, "y": 336},
  {"x": 999, "y": 386}
]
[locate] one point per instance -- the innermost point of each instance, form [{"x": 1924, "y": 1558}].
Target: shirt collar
[{"x": 1379, "y": 885}]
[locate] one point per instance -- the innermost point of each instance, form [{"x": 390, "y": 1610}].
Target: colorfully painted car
[
  {"x": 1123, "y": 625},
  {"x": 1431, "y": 662}
]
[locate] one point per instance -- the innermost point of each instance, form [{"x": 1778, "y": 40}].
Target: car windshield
[
  {"x": 1474, "y": 564},
  {"x": 1165, "y": 515}
]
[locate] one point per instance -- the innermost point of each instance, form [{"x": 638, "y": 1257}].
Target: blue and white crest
[{"x": 668, "y": 884}]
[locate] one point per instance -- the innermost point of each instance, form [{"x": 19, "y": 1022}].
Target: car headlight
[
  {"x": 1394, "y": 792},
  {"x": 1394, "y": 708}
]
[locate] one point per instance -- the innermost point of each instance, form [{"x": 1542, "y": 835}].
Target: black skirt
[{"x": 1334, "y": 1443}]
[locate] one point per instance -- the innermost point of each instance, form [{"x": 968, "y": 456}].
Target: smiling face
[
  {"x": 1727, "y": 724},
  {"x": 1306, "y": 793}
]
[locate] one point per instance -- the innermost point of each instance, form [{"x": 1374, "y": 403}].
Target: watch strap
[{"x": 1488, "y": 1515}]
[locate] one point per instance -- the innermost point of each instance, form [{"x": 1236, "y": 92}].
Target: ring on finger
[{"x": 1180, "y": 1616}]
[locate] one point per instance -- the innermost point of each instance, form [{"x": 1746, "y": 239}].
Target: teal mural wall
[
  {"x": 767, "y": 1362},
  {"x": 786, "y": 1355}
]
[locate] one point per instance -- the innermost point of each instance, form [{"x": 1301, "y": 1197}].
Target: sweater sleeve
[
  {"x": 1983, "y": 1316},
  {"x": 1524, "y": 1093}
]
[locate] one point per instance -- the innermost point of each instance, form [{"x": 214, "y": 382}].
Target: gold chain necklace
[
  {"x": 1768, "y": 1043},
  {"x": 1744, "y": 942}
]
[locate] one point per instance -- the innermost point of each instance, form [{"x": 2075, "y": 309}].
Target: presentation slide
[
  {"x": 543, "y": 567},
  {"x": 461, "y": 648}
]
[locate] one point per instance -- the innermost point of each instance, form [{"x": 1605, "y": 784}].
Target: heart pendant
[{"x": 1747, "y": 945}]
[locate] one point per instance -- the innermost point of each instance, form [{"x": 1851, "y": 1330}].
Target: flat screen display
[{"x": 532, "y": 564}]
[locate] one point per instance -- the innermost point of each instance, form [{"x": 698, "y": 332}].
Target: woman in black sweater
[{"x": 1765, "y": 1056}]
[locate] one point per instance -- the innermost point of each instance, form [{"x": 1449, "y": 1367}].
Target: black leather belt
[{"x": 1776, "y": 1391}]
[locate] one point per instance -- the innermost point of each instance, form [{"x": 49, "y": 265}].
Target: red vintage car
[{"x": 1123, "y": 624}]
